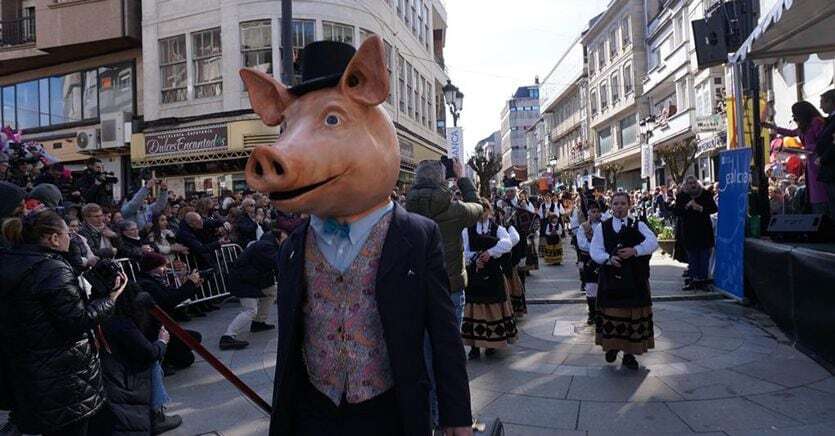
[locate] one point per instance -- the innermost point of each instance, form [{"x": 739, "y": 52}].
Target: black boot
[
  {"x": 630, "y": 361},
  {"x": 258, "y": 326},
  {"x": 475, "y": 353},
  {"x": 163, "y": 423},
  {"x": 232, "y": 343},
  {"x": 592, "y": 303}
]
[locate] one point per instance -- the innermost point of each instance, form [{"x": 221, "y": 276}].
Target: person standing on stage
[
  {"x": 588, "y": 268},
  {"x": 488, "y": 316},
  {"x": 622, "y": 246}
]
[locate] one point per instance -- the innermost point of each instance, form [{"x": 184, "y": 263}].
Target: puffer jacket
[
  {"x": 433, "y": 201},
  {"x": 53, "y": 369}
]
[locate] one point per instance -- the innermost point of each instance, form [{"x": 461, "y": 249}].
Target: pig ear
[
  {"x": 268, "y": 97},
  {"x": 366, "y": 79}
]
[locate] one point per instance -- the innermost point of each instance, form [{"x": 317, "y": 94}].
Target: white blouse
[
  {"x": 598, "y": 249},
  {"x": 502, "y": 247}
]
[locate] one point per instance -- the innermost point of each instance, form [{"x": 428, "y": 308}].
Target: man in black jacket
[
  {"x": 92, "y": 184},
  {"x": 825, "y": 149},
  {"x": 192, "y": 234},
  {"x": 153, "y": 280},
  {"x": 253, "y": 282}
]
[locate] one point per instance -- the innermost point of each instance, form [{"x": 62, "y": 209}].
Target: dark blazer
[
  {"x": 413, "y": 298},
  {"x": 254, "y": 269},
  {"x": 825, "y": 150},
  {"x": 202, "y": 250}
]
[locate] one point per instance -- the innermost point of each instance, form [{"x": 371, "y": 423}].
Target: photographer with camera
[
  {"x": 95, "y": 185},
  {"x": 131, "y": 354},
  {"x": 138, "y": 211},
  {"x": 54, "y": 383},
  {"x": 54, "y": 175},
  {"x": 153, "y": 279}
]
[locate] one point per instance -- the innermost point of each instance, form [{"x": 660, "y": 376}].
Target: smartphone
[{"x": 450, "y": 173}]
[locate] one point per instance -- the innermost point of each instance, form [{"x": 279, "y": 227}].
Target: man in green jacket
[{"x": 431, "y": 198}]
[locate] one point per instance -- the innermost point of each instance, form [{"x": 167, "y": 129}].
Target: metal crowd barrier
[{"x": 215, "y": 285}]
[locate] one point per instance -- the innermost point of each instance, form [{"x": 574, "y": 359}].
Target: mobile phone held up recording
[{"x": 450, "y": 173}]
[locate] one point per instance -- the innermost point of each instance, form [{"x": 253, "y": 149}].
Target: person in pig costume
[{"x": 363, "y": 281}]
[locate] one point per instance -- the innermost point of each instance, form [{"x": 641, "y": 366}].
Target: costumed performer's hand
[
  {"x": 484, "y": 257},
  {"x": 626, "y": 253},
  {"x": 615, "y": 261}
]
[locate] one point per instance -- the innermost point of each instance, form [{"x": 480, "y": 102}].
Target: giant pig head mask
[{"x": 337, "y": 155}]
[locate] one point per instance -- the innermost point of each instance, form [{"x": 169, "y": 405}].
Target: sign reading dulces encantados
[{"x": 188, "y": 140}]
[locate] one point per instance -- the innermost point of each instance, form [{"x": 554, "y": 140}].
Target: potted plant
[{"x": 667, "y": 240}]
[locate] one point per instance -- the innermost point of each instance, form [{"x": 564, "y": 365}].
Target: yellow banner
[{"x": 748, "y": 127}]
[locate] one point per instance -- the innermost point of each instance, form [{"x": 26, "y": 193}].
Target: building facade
[
  {"x": 198, "y": 126},
  {"x": 518, "y": 114},
  {"x": 617, "y": 64},
  {"x": 73, "y": 87},
  {"x": 563, "y": 97}
]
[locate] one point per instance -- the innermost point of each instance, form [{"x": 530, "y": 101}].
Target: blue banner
[{"x": 734, "y": 181}]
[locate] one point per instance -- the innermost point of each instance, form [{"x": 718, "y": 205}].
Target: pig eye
[{"x": 332, "y": 120}]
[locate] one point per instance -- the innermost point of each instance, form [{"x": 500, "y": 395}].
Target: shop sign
[
  {"x": 647, "y": 162},
  {"x": 711, "y": 123},
  {"x": 712, "y": 143},
  {"x": 190, "y": 140},
  {"x": 455, "y": 143}
]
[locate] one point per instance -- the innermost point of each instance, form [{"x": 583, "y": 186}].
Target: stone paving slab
[
  {"x": 535, "y": 411},
  {"x": 729, "y": 414},
  {"x": 629, "y": 418}
]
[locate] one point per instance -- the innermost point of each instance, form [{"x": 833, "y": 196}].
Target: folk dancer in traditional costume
[
  {"x": 588, "y": 268},
  {"x": 516, "y": 289},
  {"x": 553, "y": 242},
  {"x": 488, "y": 316},
  {"x": 547, "y": 208},
  {"x": 622, "y": 246}
]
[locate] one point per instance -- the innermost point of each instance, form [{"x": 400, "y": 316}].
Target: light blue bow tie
[{"x": 334, "y": 227}]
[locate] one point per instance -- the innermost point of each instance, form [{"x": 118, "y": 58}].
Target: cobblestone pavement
[{"x": 718, "y": 369}]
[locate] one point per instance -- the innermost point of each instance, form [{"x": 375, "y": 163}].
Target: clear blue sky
[{"x": 495, "y": 46}]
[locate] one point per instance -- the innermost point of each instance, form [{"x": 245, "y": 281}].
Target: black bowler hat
[{"x": 323, "y": 63}]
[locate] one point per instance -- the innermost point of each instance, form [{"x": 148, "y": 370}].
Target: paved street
[{"x": 718, "y": 368}]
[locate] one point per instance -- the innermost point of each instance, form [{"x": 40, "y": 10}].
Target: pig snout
[{"x": 265, "y": 170}]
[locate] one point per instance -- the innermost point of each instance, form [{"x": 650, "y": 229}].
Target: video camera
[{"x": 21, "y": 152}]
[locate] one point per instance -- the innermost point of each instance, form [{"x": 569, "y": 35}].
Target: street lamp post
[{"x": 455, "y": 100}]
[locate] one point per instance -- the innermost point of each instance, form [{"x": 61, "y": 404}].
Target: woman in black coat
[
  {"x": 50, "y": 364},
  {"x": 693, "y": 207},
  {"x": 128, "y": 362}
]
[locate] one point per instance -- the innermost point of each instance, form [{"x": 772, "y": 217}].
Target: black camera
[
  {"x": 107, "y": 177},
  {"x": 102, "y": 277}
]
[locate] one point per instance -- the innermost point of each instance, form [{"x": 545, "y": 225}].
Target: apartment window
[
  {"x": 420, "y": 19},
  {"x": 628, "y": 131},
  {"x": 423, "y": 86},
  {"x": 27, "y": 105},
  {"x": 613, "y": 43},
  {"x": 65, "y": 98},
  {"x": 172, "y": 65},
  {"x": 90, "y": 105},
  {"x": 401, "y": 73},
  {"x": 626, "y": 31},
  {"x": 627, "y": 80},
  {"x": 680, "y": 30},
  {"x": 593, "y": 102},
  {"x": 601, "y": 55},
  {"x": 389, "y": 51},
  {"x": 338, "y": 32},
  {"x": 116, "y": 88},
  {"x": 615, "y": 88},
  {"x": 426, "y": 26},
  {"x": 682, "y": 90},
  {"x": 592, "y": 61},
  {"x": 654, "y": 57},
  {"x": 208, "y": 63},
  {"x": 400, "y": 8},
  {"x": 409, "y": 89},
  {"x": 256, "y": 45},
  {"x": 365, "y": 34},
  {"x": 416, "y": 91},
  {"x": 604, "y": 141},
  {"x": 303, "y": 34},
  {"x": 604, "y": 95},
  {"x": 414, "y": 17}
]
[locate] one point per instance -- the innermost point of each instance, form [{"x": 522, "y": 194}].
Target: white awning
[{"x": 791, "y": 31}]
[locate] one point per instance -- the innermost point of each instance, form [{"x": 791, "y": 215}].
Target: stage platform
[{"x": 795, "y": 284}]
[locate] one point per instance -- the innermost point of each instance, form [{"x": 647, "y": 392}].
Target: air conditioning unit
[
  {"x": 115, "y": 129},
  {"x": 87, "y": 140}
]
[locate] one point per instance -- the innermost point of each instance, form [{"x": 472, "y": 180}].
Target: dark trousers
[
  {"x": 830, "y": 195},
  {"x": 316, "y": 415},
  {"x": 698, "y": 260},
  {"x": 178, "y": 355},
  {"x": 78, "y": 428}
]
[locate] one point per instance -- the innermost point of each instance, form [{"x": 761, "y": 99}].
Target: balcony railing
[{"x": 17, "y": 32}]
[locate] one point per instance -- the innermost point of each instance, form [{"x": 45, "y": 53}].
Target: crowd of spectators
[{"x": 62, "y": 232}]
